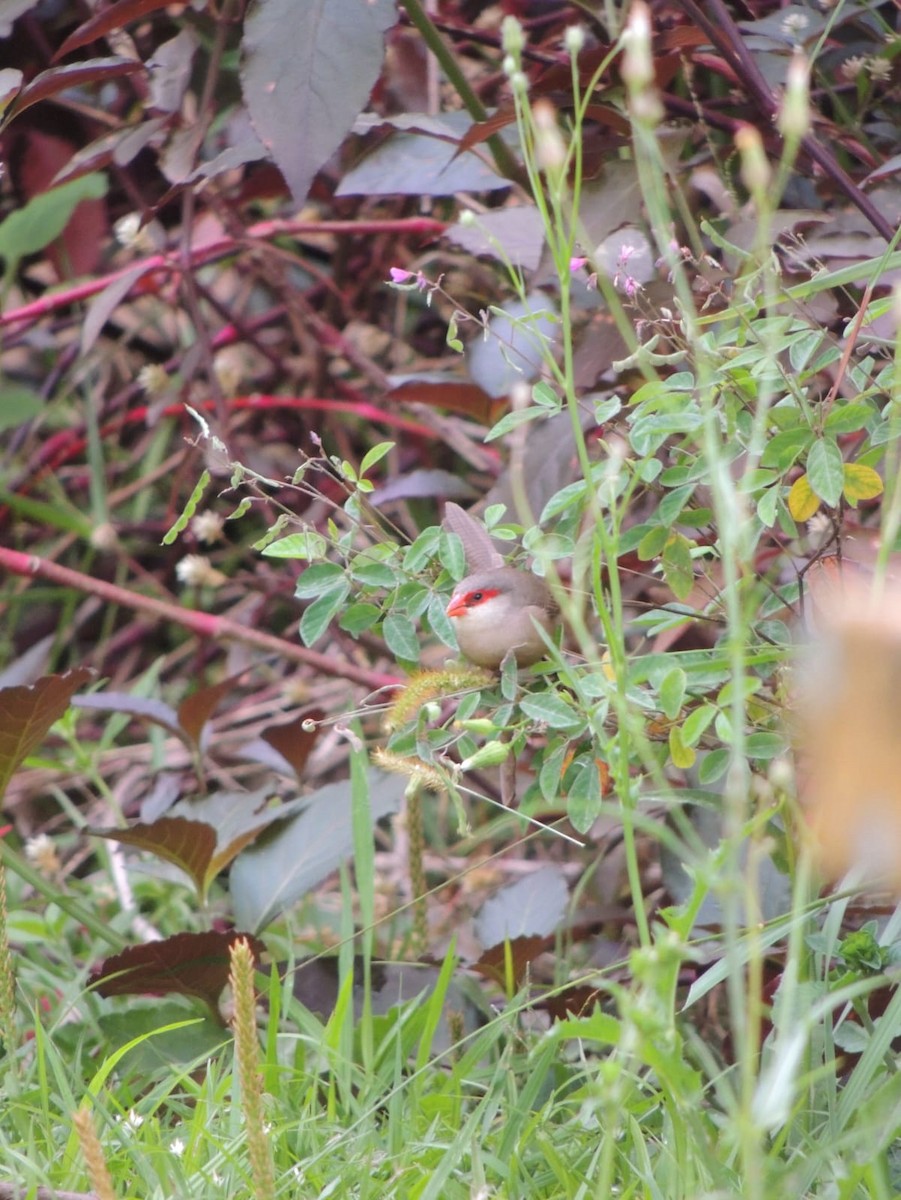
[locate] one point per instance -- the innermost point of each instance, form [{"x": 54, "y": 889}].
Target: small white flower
[
  {"x": 177, "y": 1146},
  {"x": 207, "y": 526},
  {"x": 795, "y": 23},
  {"x": 153, "y": 380},
  {"x": 41, "y": 851},
  {"x": 196, "y": 570},
  {"x": 879, "y": 69},
  {"x": 852, "y": 67},
  {"x": 128, "y": 231}
]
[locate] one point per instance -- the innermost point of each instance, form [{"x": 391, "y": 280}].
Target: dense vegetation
[{"x": 294, "y": 900}]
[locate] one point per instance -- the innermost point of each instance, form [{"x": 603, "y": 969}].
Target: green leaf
[
  {"x": 696, "y": 722},
  {"x": 44, "y": 217},
  {"x": 584, "y": 799},
  {"x": 413, "y": 598},
  {"x": 564, "y": 500},
  {"x": 552, "y": 710},
  {"x": 713, "y": 766},
  {"x": 802, "y": 348},
  {"x": 606, "y": 410},
  {"x": 189, "y": 509},
  {"x": 317, "y": 618},
  {"x": 375, "y": 455},
  {"x": 550, "y": 776},
  {"x": 307, "y": 544},
  {"x": 764, "y": 745},
  {"x": 782, "y": 450},
  {"x": 452, "y": 555},
  {"x": 544, "y": 394},
  {"x": 373, "y": 574},
  {"x": 400, "y": 637},
  {"x": 649, "y": 433},
  {"x": 652, "y": 543},
  {"x": 513, "y": 420},
  {"x": 423, "y": 550},
  {"x": 18, "y": 404},
  {"x": 678, "y": 569},
  {"x": 670, "y": 508},
  {"x": 849, "y": 418},
  {"x": 826, "y": 471},
  {"x": 439, "y": 622},
  {"x": 318, "y": 579},
  {"x": 672, "y": 692},
  {"x": 766, "y": 507},
  {"x": 359, "y": 618}
]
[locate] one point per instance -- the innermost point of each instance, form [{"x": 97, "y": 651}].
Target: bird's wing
[{"x": 477, "y": 545}]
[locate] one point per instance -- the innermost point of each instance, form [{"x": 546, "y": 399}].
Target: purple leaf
[{"x": 307, "y": 72}]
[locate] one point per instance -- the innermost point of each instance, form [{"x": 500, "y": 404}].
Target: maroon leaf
[
  {"x": 307, "y": 72},
  {"x": 191, "y": 964},
  {"x": 456, "y": 395},
  {"x": 196, "y": 710},
  {"x": 523, "y": 951},
  {"x": 293, "y": 742},
  {"x": 27, "y": 713},
  {"x": 577, "y": 1000},
  {"x": 121, "y": 146},
  {"x": 189, "y": 845},
  {"x": 205, "y": 835},
  {"x": 117, "y": 16},
  {"x": 481, "y": 131},
  {"x": 60, "y": 79}
]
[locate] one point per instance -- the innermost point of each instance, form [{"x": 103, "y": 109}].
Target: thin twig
[
  {"x": 205, "y": 625},
  {"x": 220, "y": 248}
]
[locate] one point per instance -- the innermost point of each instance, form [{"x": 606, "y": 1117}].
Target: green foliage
[{"x": 652, "y": 736}]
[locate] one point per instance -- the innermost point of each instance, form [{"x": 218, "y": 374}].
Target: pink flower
[
  {"x": 576, "y": 264},
  {"x": 399, "y": 275}
]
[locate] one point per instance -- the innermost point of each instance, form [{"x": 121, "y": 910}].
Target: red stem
[
  {"x": 219, "y": 248},
  {"x": 205, "y": 625}
]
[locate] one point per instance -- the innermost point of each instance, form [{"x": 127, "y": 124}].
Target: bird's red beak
[{"x": 457, "y": 607}]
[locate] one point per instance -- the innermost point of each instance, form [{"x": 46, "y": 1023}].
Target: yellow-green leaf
[
  {"x": 861, "y": 483},
  {"x": 681, "y": 755},
  {"x": 803, "y": 502}
]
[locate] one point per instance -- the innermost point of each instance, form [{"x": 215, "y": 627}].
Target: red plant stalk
[
  {"x": 219, "y": 248},
  {"x": 205, "y": 625}
]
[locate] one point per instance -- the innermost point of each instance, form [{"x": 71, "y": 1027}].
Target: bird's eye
[{"x": 475, "y": 597}]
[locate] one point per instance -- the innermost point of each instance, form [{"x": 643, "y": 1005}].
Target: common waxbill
[{"x": 494, "y": 610}]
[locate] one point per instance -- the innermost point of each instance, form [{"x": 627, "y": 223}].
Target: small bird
[{"x": 496, "y": 609}]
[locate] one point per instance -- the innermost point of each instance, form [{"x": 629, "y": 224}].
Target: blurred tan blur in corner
[{"x": 849, "y": 730}]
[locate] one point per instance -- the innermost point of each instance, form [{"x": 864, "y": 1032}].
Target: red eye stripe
[{"x": 472, "y": 599}]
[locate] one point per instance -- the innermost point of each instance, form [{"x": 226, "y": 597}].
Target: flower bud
[
  {"x": 794, "y": 120},
  {"x": 550, "y": 150},
  {"x": 513, "y": 39},
  {"x": 638, "y": 65},
  {"x": 755, "y": 170},
  {"x": 574, "y": 40}
]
